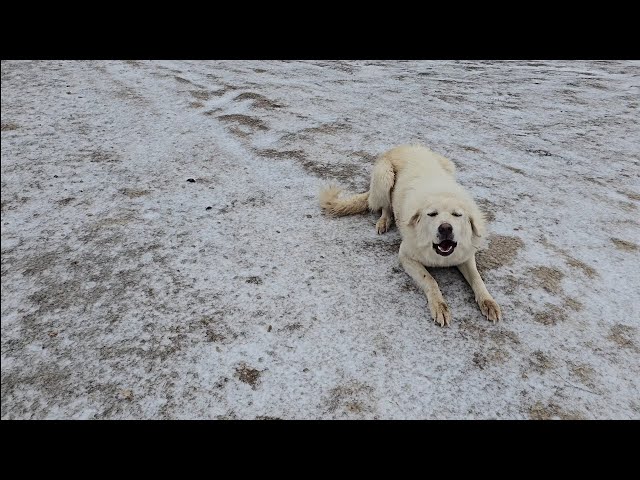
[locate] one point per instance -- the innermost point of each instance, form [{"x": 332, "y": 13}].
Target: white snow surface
[{"x": 124, "y": 297}]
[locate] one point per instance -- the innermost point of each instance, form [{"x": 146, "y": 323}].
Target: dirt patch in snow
[
  {"x": 8, "y": 126},
  {"x": 502, "y": 250},
  {"x": 548, "y": 278},
  {"x": 550, "y": 314},
  {"x": 487, "y": 207},
  {"x": 258, "y": 101},
  {"x": 245, "y": 120},
  {"x": 623, "y": 336},
  {"x": 248, "y": 375},
  {"x": 351, "y": 398},
  {"x": 552, "y": 411},
  {"x": 625, "y": 245}
]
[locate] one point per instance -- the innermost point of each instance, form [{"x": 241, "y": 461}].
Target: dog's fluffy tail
[{"x": 330, "y": 202}]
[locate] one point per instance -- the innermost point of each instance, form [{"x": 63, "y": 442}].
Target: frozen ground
[{"x": 129, "y": 292}]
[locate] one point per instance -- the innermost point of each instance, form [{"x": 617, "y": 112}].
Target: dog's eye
[
  {"x": 456, "y": 214},
  {"x": 432, "y": 214}
]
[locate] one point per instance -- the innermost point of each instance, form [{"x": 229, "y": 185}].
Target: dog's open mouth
[{"x": 445, "y": 247}]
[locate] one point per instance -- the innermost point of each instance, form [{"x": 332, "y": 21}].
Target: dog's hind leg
[
  {"x": 384, "y": 223},
  {"x": 382, "y": 181}
]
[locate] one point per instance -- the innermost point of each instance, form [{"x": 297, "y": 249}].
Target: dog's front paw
[
  {"x": 383, "y": 225},
  {"x": 440, "y": 312},
  {"x": 490, "y": 309}
]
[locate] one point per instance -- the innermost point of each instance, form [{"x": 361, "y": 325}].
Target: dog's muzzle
[{"x": 445, "y": 247}]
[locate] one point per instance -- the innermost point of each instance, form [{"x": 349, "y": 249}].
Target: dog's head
[{"x": 448, "y": 226}]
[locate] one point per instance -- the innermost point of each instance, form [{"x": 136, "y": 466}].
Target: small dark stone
[
  {"x": 55, "y": 176},
  {"x": 191, "y": 180},
  {"x": 269, "y": 329},
  {"x": 309, "y": 216},
  {"x": 277, "y": 231},
  {"x": 208, "y": 208}
]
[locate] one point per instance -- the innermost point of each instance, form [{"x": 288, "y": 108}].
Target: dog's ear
[
  {"x": 476, "y": 227},
  {"x": 476, "y": 218},
  {"x": 415, "y": 219}
]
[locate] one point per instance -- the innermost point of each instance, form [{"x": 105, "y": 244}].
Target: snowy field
[{"x": 130, "y": 292}]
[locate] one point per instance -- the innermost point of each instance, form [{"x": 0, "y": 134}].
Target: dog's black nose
[{"x": 445, "y": 229}]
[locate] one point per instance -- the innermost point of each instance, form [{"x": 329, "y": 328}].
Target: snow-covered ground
[{"x": 130, "y": 292}]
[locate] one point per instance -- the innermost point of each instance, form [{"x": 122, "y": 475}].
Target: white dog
[{"x": 440, "y": 224}]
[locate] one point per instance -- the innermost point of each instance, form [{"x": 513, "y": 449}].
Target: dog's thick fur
[{"x": 440, "y": 224}]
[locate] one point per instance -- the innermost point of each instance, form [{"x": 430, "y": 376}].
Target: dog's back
[
  {"x": 400, "y": 169},
  {"x": 418, "y": 173},
  {"x": 419, "y": 160}
]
